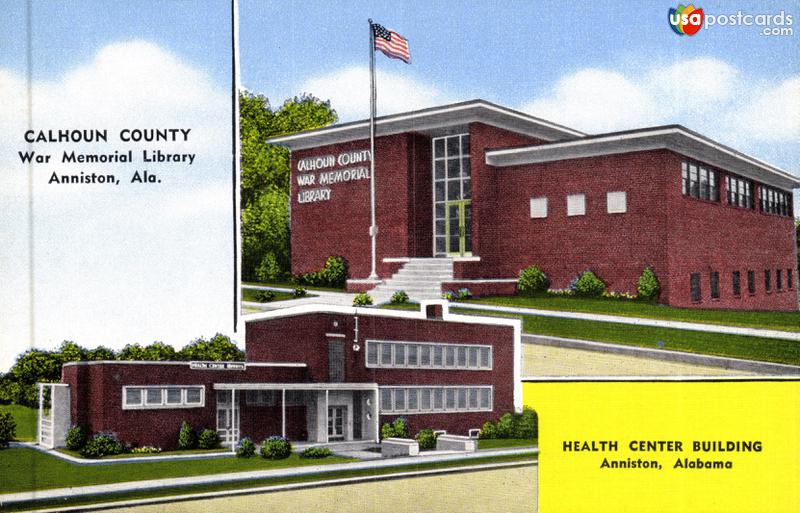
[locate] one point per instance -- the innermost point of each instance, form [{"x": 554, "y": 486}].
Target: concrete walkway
[
  {"x": 639, "y": 321},
  {"x": 320, "y": 296},
  {"x": 156, "y": 484}
]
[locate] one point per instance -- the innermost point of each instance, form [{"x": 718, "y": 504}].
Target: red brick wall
[
  {"x": 96, "y": 399},
  {"x": 706, "y": 236},
  {"x": 616, "y": 247}
]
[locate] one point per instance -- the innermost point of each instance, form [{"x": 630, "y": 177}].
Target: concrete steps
[{"x": 420, "y": 278}]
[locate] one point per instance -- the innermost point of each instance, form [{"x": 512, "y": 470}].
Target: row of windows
[
  {"x": 163, "y": 397},
  {"x": 701, "y": 182},
  {"x": 413, "y": 355},
  {"x": 435, "y": 399},
  {"x": 616, "y": 203},
  {"x": 736, "y": 282}
]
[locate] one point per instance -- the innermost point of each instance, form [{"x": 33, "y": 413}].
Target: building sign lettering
[
  {"x": 217, "y": 365},
  {"x": 328, "y": 175}
]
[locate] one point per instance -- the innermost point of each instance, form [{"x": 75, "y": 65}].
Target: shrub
[
  {"x": 75, "y": 438},
  {"x": 450, "y": 296},
  {"x": 299, "y": 292},
  {"x": 246, "y": 448},
  {"x": 426, "y": 439},
  {"x": 334, "y": 274},
  {"x": 208, "y": 439},
  {"x": 276, "y": 448},
  {"x": 316, "y": 452},
  {"x": 648, "y": 288},
  {"x": 488, "y": 430},
  {"x": 505, "y": 426},
  {"x": 362, "y": 299},
  {"x": 313, "y": 279},
  {"x": 463, "y": 293},
  {"x": 396, "y": 429},
  {"x": 526, "y": 424},
  {"x": 269, "y": 269},
  {"x": 588, "y": 285},
  {"x": 8, "y": 429},
  {"x": 147, "y": 449},
  {"x": 399, "y": 297},
  {"x": 187, "y": 438},
  {"x": 532, "y": 280},
  {"x": 102, "y": 444},
  {"x": 265, "y": 296}
]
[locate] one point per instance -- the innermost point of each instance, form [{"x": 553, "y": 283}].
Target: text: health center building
[{"x": 487, "y": 191}]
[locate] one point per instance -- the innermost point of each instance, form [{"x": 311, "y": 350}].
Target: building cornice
[{"x": 672, "y": 137}]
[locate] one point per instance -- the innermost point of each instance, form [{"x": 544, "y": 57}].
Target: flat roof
[
  {"x": 676, "y": 138},
  {"x": 452, "y": 118}
]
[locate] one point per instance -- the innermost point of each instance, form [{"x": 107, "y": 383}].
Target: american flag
[{"x": 392, "y": 44}]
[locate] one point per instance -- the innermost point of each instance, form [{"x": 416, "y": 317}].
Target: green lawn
[
  {"x": 401, "y": 306},
  {"x": 252, "y": 295},
  {"x": 16, "y": 466},
  {"x": 25, "y": 418},
  {"x": 789, "y": 321},
  {"x": 720, "y": 344},
  {"x": 61, "y": 503},
  {"x": 502, "y": 443},
  {"x": 290, "y": 285}
]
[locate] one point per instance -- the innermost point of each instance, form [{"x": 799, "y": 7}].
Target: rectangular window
[
  {"x": 699, "y": 182},
  {"x": 426, "y": 399},
  {"x": 740, "y": 192},
  {"x": 775, "y": 201},
  {"x": 576, "y": 205},
  {"x": 789, "y": 279},
  {"x": 751, "y": 282},
  {"x": 737, "y": 283},
  {"x": 715, "y": 285},
  {"x": 538, "y": 208},
  {"x": 451, "y": 182},
  {"x": 767, "y": 280},
  {"x": 779, "y": 279},
  {"x": 428, "y": 355},
  {"x": 166, "y": 396},
  {"x": 616, "y": 202},
  {"x": 262, "y": 397},
  {"x": 695, "y": 286}
]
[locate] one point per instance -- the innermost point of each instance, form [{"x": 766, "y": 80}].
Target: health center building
[{"x": 474, "y": 192}]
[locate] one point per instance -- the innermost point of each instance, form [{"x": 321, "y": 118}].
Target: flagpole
[{"x": 373, "y": 228}]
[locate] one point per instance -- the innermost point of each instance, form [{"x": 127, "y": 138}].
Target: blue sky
[
  {"x": 117, "y": 264},
  {"x": 597, "y": 66}
]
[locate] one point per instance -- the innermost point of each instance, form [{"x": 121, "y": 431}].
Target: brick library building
[{"x": 471, "y": 193}]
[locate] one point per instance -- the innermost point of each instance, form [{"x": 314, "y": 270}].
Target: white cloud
[
  {"x": 127, "y": 263},
  {"x": 772, "y": 115},
  {"x": 348, "y": 91},
  {"x": 696, "y": 84}
]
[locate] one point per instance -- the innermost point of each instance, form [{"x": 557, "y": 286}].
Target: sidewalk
[
  {"x": 640, "y": 321},
  {"x": 156, "y": 484}
]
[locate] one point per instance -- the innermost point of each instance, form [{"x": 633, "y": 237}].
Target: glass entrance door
[
  {"x": 458, "y": 223},
  {"x": 336, "y": 416}
]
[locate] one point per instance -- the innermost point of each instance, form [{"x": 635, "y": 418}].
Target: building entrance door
[
  {"x": 336, "y": 419},
  {"x": 227, "y": 417},
  {"x": 458, "y": 224}
]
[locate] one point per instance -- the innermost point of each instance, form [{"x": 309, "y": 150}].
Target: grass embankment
[
  {"x": 401, "y": 306},
  {"x": 164, "y": 492},
  {"x": 787, "y": 321},
  {"x": 25, "y": 418},
  {"x": 719, "y": 344},
  {"x": 503, "y": 443},
  {"x": 253, "y": 295},
  {"x": 290, "y": 285}
]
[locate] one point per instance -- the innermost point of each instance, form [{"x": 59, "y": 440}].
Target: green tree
[
  {"x": 101, "y": 353},
  {"x": 159, "y": 351},
  {"x": 71, "y": 352},
  {"x": 219, "y": 348},
  {"x": 265, "y": 178},
  {"x": 132, "y": 352}
]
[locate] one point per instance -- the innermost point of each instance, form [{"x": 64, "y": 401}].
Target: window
[
  {"x": 695, "y": 286},
  {"x": 538, "y": 208},
  {"x": 789, "y": 279},
  {"x": 165, "y": 396},
  {"x": 740, "y": 192},
  {"x": 412, "y": 355},
  {"x": 714, "y": 285},
  {"x": 779, "y": 279},
  {"x": 440, "y": 399},
  {"x": 774, "y": 201},
  {"x": 576, "y": 205},
  {"x": 616, "y": 202},
  {"x": 737, "y": 283},
  {"x": 767, "y": 280},
  {"x": 451, "y": 182},
  {"x": 262, "y": 397},
  {"x": 699, "y": 182}
]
